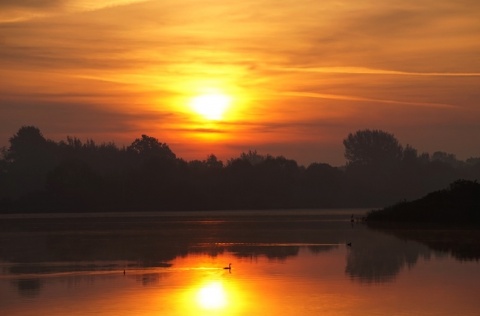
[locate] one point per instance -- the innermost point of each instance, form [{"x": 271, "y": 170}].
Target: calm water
[{"x": 283, "y": 263}]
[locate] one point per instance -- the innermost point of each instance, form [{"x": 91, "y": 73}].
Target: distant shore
[{"x": 458, "y": 204}]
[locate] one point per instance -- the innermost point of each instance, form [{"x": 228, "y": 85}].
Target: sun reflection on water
[
  {"x": 212, "y": 296},
  {"x": 211, "y": 290}
]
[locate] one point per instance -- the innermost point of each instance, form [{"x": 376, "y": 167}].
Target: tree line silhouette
[{"x": 41, "y": 175}]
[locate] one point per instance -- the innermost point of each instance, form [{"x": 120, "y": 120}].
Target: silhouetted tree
[
  {"x": 276, "y": 180},
  {"x": 460, "y": 203},
  {"x": 445, "y": 157},
  {"x": 372, "y": 147},
  {"x": 74, "y": 185},
  {"x": 473, "y": 167},
  {"x": 212, "y": 162},
  {"x": 409, "y": 178},
  {"x": 3, "y": 163},
  {"x": 148, "y": 147},
  {"x": 5, "y": 194},
  {"x": 373, "y": 157},
  {"x": 27, "y": 141},
  {"x": 323, "y": 185},
  {"x": 238, "y": 180},
  {"x": 252, "y": 157},
  {"x": 203, "y": 182},
  {"x": 37, "y": 174},
  {"x": 410, "y": 155},
  {"x": 154, "y": 181},
  {"x": 473, "y": 161},
  {"x": 103, "y": 158},
  {"x": 30, "y": 157}
]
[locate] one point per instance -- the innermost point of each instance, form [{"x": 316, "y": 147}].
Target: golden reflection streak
[
  {"x": 212, "y": 296},
  {"x": 212, "y": 291}
]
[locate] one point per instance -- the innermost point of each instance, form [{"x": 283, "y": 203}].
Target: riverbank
[{"x": 458, "y": 204}]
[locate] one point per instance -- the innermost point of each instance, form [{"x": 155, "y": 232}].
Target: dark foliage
[
  {"x": 460, "y": 203},
  {"x": 372, "y": 147},
  {"x": 40, "y": 175}
]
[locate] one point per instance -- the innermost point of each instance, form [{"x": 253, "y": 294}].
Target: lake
[{"x": 296, "y": 262}]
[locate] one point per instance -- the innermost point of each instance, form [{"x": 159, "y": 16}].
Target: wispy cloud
[
  {"x": 362, "y": 99},
  {"x": 22, "y": 10},
  {"x": 370, "y": 71}
]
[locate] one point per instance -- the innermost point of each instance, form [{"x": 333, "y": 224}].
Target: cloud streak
[
  {"x": 362, "y": 99},
  {"x": 12, "y": 11},
  {"x": 369, "y": 71}
]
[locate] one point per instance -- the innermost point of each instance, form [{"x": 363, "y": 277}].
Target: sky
[{"x": 297, "y": 76}]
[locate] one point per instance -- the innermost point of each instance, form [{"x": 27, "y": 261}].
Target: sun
[{"x": 211, "y": 106}]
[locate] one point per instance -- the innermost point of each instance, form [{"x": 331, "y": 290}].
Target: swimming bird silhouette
[
  {"x": 349, "y": 244},
  {"x": 229, "y": 267}
]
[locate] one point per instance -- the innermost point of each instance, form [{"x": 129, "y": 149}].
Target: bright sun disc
[
  {"x": 211, "y": 106},
  {"x": 212, "y": 296}
]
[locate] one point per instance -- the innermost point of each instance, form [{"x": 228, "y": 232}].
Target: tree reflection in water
[
  {"x": 106, "y": 244},
  {"x": 379, "y": 258},
  {"x": 462, "y": 243},
  {"x": 29, "y": 287}
]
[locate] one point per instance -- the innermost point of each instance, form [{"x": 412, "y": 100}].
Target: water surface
[{"x": 283, "y": 263}]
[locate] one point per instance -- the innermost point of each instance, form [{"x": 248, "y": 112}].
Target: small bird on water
[
  {"x": 229, "y": 267},
  {"x": 349, "y": 244}
]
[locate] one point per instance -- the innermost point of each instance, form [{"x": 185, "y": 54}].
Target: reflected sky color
[
  {"x": 309, "y": 284},
  {"x": 301, "y": 75},
  {"x": 282, "y": 265}
]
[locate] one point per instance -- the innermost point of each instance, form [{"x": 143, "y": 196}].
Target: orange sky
[{"x": 300, "y": 74}]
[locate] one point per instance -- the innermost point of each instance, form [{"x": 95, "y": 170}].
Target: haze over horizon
[{"x": 289, "y": 79}]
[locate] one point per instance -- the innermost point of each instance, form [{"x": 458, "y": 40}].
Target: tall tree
[
  {"x": 26, "y": 144},
  {"x": 30, "y": 158},
  {"x": 372, "y": 148},
  {"x": 74, "y": 185}
]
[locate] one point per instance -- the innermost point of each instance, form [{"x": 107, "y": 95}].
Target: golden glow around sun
[
  {"x": 211, "y": 106},
  {"x": 212, "y": 296}
]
